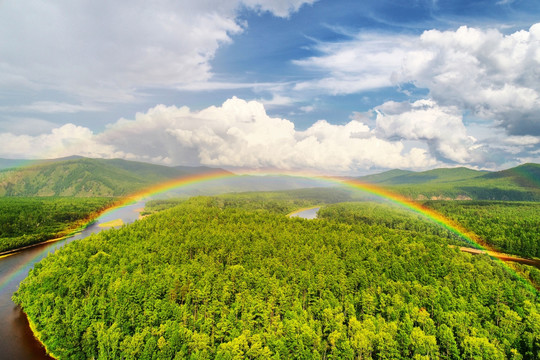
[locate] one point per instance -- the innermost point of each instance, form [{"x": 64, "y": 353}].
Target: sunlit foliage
[{"x": 212, "y": 280}]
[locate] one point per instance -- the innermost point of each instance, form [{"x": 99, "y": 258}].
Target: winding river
[{"x": 16, "y": 338}]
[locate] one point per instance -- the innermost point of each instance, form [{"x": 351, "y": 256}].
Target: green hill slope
[
  {"x": 443, "y": 175},
  {"x": 526, "y": 175},
  {"x": 86, "y": 177},
  {"x": 521, "y": 183},
  {"x": 385, "y": 176}
]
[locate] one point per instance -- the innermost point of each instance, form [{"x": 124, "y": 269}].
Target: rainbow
[
  {"x": 371, "y": 189},
  {"x": 469, "y": 237},
  {"x": 379, "y": 192}
]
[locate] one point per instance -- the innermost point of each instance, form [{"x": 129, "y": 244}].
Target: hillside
[
  {"x": 385, "y": 176},
  {"x": 526, "y": 175},
  {"x": 520, "y": 183},
  {"x": 77, "y": 176},
  {"x": 443, "y": 175},
  {"x": 87, "y": 177}
]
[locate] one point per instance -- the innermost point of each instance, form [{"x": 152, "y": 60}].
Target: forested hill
[
  {"x": 78, "y": 176},
  {"x": 519, "y": 183},
  {"x": 443, "y": 175},
  {"x": 219, "y": 278},
  {"x": 87, "y": 177}
]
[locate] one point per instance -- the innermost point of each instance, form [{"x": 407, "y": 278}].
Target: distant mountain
[
  {"x": 526, "y": 175},
  {"x": 246, "y": 183},
  {"x": 78, "y": 176},
  {"x": 385, "y": 176},
  {"x": 402, "y": 177},
  {"x": 87, "y": 177},
  {"x": 519, "y": 183}
]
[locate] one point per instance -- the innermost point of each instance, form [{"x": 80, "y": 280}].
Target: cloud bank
[
  {"x": 491, "y": 75},
  {"x": 112, "y": 51},
  {"x": 237, "y": 134}
]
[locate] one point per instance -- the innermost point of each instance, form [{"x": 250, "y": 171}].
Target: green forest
[
  {"x": 232, "y": 277},
  {"x": 30, "y": 220},
  {"x": 508, "y": 226},
  {"x": 511, "y": 227}
]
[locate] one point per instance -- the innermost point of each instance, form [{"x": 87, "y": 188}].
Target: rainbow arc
[{"x": 377, "y": 191}]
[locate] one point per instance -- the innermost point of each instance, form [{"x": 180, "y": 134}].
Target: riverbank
[
  {"x": 18, "y": 339},
  {"x": 37, "y": 336},
  {"x": 19, "y": 249},
  {"x": 502, "y": 256},
  {"x": 75, "y": 228}
]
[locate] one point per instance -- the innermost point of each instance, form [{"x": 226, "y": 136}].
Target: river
[
  {"x": 306, "y": 213},
  {"x": 16, "y": 338}
]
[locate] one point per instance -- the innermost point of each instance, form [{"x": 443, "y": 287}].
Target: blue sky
[{"x": 342, "y": 87}]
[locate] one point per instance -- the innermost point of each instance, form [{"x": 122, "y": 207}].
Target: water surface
[{"x": 306, "y": 214}]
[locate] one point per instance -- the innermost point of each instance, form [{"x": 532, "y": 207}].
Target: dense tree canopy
[
  {"x": 511, "y": 227},
  {"x": 25, "y": 221},
  {"x": 209, "y": 279}
]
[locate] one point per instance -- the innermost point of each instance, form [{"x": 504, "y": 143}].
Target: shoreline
[
  {"x": 78, "y": 227},
  {"x": 37, "y": 334},
  {"x": 16, "y": 250},
  {"x": 503, "y": 256}
]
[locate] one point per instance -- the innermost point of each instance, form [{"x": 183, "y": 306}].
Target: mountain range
[
  {"x": 519, "y": 183},
  {"x": 79, "y": 176}
]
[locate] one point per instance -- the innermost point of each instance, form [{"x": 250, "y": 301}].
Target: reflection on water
[
  {"x": 16, "y": 338},
  {"x": 307, "y": 214}
]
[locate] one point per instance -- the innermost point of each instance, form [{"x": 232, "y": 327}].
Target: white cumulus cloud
[
  {"x": 241, "y": 134},
  {"x": 489, "y": 74},
  {"x": 110, "y": 51},
  {"x": 236, "y": 134},
  {"x": 63, "y": 141},
  {"x": 440, "y": 126}
]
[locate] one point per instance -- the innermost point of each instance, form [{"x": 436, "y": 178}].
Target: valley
[
  {"x": 232, "y": 276},
  {"x": 270, "y": 180}
]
